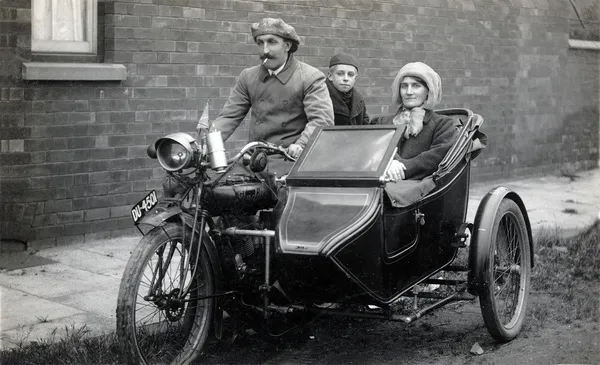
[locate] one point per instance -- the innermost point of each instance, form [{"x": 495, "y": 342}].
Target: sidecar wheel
[
  {"x": 506, "y": 273},
  {"x": 156, "y": 324}
]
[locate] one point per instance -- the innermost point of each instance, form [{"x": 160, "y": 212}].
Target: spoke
[
  {"x": 506, "y": 271},
  {"x": 167, "y": 325}
]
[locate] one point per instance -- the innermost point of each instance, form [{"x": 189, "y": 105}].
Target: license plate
[{"x": 141, "y": 209}]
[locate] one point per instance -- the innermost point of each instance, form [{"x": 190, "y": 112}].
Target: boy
[{"x": 348, "y": 104}]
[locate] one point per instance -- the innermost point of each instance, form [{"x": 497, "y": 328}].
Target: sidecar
[{"x": 345, "y": 237}]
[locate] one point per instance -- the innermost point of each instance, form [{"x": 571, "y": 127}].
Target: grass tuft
[
  {"x": 75, "y": 347},
  {"x": 585, "y": 252},
  {"x": 568, "y": 269}
]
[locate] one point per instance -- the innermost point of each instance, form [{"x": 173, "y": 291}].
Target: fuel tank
[{"x": 245, "y": 197}]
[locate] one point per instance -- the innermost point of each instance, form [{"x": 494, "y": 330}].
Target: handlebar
[{"x": 270, "y": 146}]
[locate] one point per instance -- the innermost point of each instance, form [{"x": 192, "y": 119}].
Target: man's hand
[
  {"x": 294, "y": 150},
  {"x": 395, "y": 171}
]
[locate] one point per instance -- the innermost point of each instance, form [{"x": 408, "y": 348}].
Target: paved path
[{"x": 78, "y": 284}]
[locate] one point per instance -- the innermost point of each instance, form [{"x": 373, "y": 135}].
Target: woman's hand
[{"x": 395, "y": 171}]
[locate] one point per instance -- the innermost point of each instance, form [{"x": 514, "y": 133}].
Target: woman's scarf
[{"x": 413, "y": 119}]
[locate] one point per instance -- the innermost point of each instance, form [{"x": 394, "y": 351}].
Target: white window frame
[{"x": 73, "y": 47}]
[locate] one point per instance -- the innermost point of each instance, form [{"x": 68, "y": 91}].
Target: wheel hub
[{"x": 170, "y": 303}]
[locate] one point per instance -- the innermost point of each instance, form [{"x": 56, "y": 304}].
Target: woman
[{"x": 427, "y": 135}]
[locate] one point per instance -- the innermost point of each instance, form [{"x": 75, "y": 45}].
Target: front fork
[{"x": 189, "y": 258}]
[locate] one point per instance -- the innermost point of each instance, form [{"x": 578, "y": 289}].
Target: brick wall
[
  {"x": 580, "y": 118},
  {"x": 72, "y": 157}
]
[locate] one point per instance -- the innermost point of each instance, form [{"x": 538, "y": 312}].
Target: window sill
[
  {"x": 74, "y": 71},
  {"x": 581, "y": 44}
]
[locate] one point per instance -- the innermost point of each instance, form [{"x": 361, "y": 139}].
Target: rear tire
[
  {"x": 507, "y": 272},
  {"x": 163, "y": 328}
]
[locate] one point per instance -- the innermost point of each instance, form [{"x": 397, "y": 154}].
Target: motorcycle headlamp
[{"x": 176, "y": 151}]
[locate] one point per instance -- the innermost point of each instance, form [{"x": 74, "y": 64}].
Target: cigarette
[{"x": 265, "y": 60}]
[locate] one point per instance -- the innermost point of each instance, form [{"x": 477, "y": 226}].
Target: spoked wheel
[
  {"x": 160, "y": 319},
  {"x": 503, "y": 297}
]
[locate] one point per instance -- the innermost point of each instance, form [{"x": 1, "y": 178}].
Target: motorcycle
[{"x": 267, "y": 243}]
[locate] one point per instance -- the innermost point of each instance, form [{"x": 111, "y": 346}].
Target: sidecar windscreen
[{"x": 345, "y": 156}]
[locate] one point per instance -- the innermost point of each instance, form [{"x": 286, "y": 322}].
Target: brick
[
  {"x": 59, "y": 156},
  {"x": 41, "y": 233},
  {"x": 100, "y": 201},
  {"x": 119, "y": 188},
  {"x": 102, "y": 153},
  {"x": 193, "y": 13},
  {"x": 168, "y": 22},
  {"x": 140, "y": 174},
  {"x": 81, "y": 118},
  {"x": 14, "y": 158},
  {"x": 145, "y": 21},
  {"x": 81, "y": 179},
  {"x": 145, "y": 57},
  {"x": 57, "y": 206},
  {"x": 82, "y": 142},
  {"x": 69, "y": 217},
  {"x": 74, "y": 229},
  {"x": 120, "y": 211},
  {"x": 95, "y": 214},
  {"x": 43, "y": 220},
  {"x": 101, "y": 177},
  {"x": 145, "y": 9},
  {"x": 121, "y": 152}
]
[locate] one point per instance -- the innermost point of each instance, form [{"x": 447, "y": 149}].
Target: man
[
  {"x": 288, "y": 98},
  {"x": 348, "y": 104}
]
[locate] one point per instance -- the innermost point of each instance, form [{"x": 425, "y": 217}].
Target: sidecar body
[{"x": 345, "y": 234}]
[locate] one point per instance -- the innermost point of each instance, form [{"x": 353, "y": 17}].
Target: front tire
[
  {"x": 156, "y": 323},
  {"x": 507, "y": 273}
]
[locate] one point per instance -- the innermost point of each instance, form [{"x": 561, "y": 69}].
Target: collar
[
  {"x": 284, "y": 75},
  {"x": 271, "y": 72}
]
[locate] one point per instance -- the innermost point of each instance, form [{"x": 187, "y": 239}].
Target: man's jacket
[{"x": 286, "y": 108}]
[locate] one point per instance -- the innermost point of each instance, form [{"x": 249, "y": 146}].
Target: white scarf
[{"x": 413, "y": 119}]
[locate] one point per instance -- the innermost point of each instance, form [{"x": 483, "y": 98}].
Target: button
[
  {"x": 283, "y": 124},
  {"x": 285, "y": 102},
  {"x": 260, "y": 101}
]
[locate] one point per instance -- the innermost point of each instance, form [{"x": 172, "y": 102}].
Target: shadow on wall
[
  {"x": 16, "y": 220},
  {"x": 581, "y": 139}
]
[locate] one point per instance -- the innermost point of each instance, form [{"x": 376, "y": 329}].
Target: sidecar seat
[{"x": 467, "y": 146}]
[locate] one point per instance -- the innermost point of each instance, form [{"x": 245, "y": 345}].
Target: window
[{"x": 63, "y": 26}]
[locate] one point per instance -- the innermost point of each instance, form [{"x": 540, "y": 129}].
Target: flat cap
[
  {"x": 276, "y": 27},
  {"x": 343, "y": 59}
]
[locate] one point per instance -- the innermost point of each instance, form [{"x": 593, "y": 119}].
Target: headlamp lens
[{"x": 172, "y": 155}]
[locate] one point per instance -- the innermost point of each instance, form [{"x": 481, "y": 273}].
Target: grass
[
  {"x": 75, "y": 347},
  {"x": 564, "y": 285},
  {"x": 568, "y": 269}
]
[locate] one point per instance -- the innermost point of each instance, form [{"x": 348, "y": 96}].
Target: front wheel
[
  {"x": 161, "y": 318},
  {"x": 507, "y": 274}
]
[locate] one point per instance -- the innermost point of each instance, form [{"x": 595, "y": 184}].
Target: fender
[
  {"x": 161, "y": 215},
  {"x": 486, "y": 213}
]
